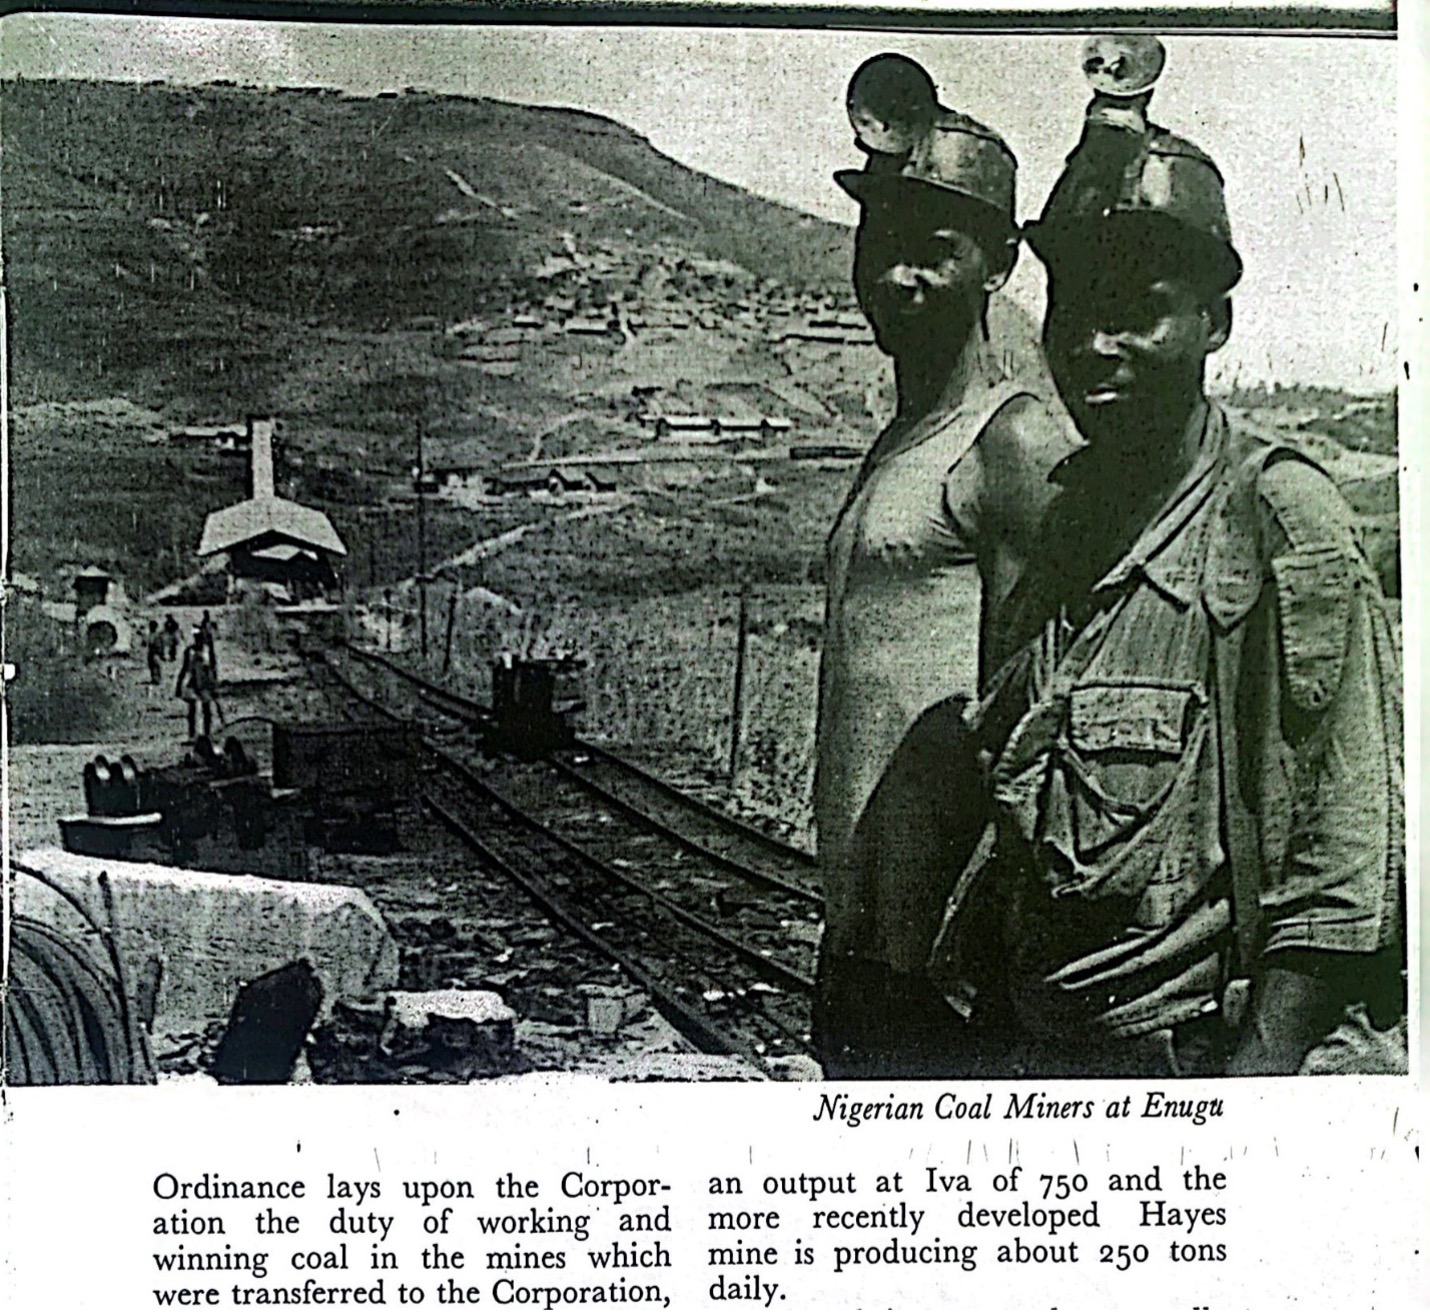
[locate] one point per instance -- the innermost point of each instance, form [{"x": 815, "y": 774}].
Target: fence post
[
  {"x": 451, "y": 620},
  {"x": 737, "y": 709}
]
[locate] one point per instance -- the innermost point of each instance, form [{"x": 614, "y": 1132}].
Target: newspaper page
[{"x": 704, "y": 657}]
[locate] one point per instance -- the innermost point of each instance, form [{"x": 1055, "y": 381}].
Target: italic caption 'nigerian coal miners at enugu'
[
  {"x": 1196, "y": 763},
  {"x": 931, "y": 544}
]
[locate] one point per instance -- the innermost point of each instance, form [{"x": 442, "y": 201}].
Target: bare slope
[{"x": 146, "y": 226}]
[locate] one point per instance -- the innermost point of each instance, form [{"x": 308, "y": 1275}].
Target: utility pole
[
  {"x": 737, "y": 710},
  {"x": 451, "y": 621},
  {"x": 421, "y": 542}
]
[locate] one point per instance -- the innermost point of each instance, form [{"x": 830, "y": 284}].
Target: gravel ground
[{"x": 455, "y": 924}]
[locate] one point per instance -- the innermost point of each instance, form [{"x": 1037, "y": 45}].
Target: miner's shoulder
[
  {"x": 1028, "y": 437},
  {"x": 1303, "y": 502}
]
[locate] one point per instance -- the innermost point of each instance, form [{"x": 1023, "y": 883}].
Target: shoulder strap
[
  {"x": 1243, "y": 850},
  {"x": 964, "y": 424}
]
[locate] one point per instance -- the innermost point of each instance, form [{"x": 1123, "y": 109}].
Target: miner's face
[
  {"x": 922, "y": 282},
  {"x": 1127, "y": 345}
]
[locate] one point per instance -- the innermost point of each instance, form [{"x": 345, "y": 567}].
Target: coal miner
[
  {"x": 928, "y": 548},
  {"x": 197, "y": 683},
  {"x": 1197, "y": 768}
]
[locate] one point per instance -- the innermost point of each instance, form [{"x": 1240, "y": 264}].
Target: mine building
[
  {"x": 590, "y": 327},
  {"x": 97, "y": 613},
  {"x": 270, "y": 539},
  {"x": 738, "y": 426},
  {"x": 91, "y": 589},
  {"x": 451, "y": 477},
  {"x": 517, "y": 482},
  {"x": 826, "y": 451},
  {"x": 582, "y": 476},
  {"x": 686, "y": 428},
  {"x": 223, "y": 437}
]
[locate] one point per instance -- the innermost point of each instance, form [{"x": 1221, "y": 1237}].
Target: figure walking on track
[{"x": 154, "y": 653}]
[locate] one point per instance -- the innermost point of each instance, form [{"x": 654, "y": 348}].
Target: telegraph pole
[
  {"x": 451, "y": 621},
  {"x": 737, "y": 709},
  {"x": 421, "y": 542}
]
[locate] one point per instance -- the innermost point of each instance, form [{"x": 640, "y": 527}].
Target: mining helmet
[
  {"x": 1129, "y": 180},
  {"x": 912, "y": 143}
]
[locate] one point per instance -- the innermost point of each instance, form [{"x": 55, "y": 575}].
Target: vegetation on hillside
[{"x": 159, "y": 234}]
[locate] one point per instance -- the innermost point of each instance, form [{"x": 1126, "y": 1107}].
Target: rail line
[
  {"x": 705, "y": 830},
  {"x": 746, "y": 992}
]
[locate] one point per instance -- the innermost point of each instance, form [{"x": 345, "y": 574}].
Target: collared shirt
[{"x": 1118, "y": 901}]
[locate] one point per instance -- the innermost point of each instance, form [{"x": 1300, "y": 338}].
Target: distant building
[
  {"x": 835, "y": 451},
  {"x": 269, "y": 538},
  {"x": 845, "y": 320},
  {"x": 557, "y": 480},
  {"x": 97, "y": 613},
  {"x": 582, "y": 478},
  {"x": 487, "y": 352},
  {"x": 590, "y": 327},
  {"x": 511, "y": 335},
  {"x": 451, "y": 477},
  {"x": 832, "y": 336},
  {"x": 739, "y": 426},
  {"x": 516, "y": 482},
  {"x": 690, "y": 428},
  {"x": 91, "y": 589},
  {"x": 227, "y": 436}
]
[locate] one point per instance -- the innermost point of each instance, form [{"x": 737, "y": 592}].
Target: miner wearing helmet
[
  {"x": 1197, "y": 770},
  {"x": 928, "y": 548}
]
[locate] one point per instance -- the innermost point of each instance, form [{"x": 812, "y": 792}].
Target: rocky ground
[{"x": 456, "y": 926}]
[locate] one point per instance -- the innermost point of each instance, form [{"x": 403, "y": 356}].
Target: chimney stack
[{"x": 260, "y": 444}]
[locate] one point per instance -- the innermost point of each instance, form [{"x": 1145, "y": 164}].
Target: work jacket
[{"x": 1196, "y": 767}]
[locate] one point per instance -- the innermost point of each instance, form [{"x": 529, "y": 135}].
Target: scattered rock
[
  {"x": 417, "y": 930},
  {"x": 796, "y": 1067},
  {"x": 267, "y": 1027},
  {"x": 447, "y": 1035}
]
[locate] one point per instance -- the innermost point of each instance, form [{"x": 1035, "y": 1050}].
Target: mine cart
[
  {"x": 529, "y": 712},
  {"x": 359, "y": 781}
]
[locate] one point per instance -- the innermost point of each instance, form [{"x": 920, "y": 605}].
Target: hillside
[
  {"x": 513, "y": 282},
  {"x": 537, "y": 293},
  {"x": 154, "y": 233}
]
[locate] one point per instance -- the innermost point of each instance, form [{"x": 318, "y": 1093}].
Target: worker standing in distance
[
  {"x": 206, "y": 632},
  {"x": 198, "y": 683},
  {"x": 922, "y": 561},
  {"x": 154, "y": 652},
  {"x": 1197, "y": 764}
]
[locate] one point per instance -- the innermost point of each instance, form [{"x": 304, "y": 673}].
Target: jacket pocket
[{"x": 1122, "y": 752}]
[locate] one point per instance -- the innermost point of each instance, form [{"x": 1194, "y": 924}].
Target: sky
[{"x": 1302, "y": 128}]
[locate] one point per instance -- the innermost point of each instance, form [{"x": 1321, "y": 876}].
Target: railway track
[
  {"x": 726, "y": 953},
  {"x": 657, "y": 803}
]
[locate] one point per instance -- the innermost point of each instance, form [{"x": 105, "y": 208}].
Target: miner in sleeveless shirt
[
  {"x": 930, "y": 544},
  {"x": 1197, "y": 772}
]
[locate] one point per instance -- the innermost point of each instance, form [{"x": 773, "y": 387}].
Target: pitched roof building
[{"x": 258, "y": 532}]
